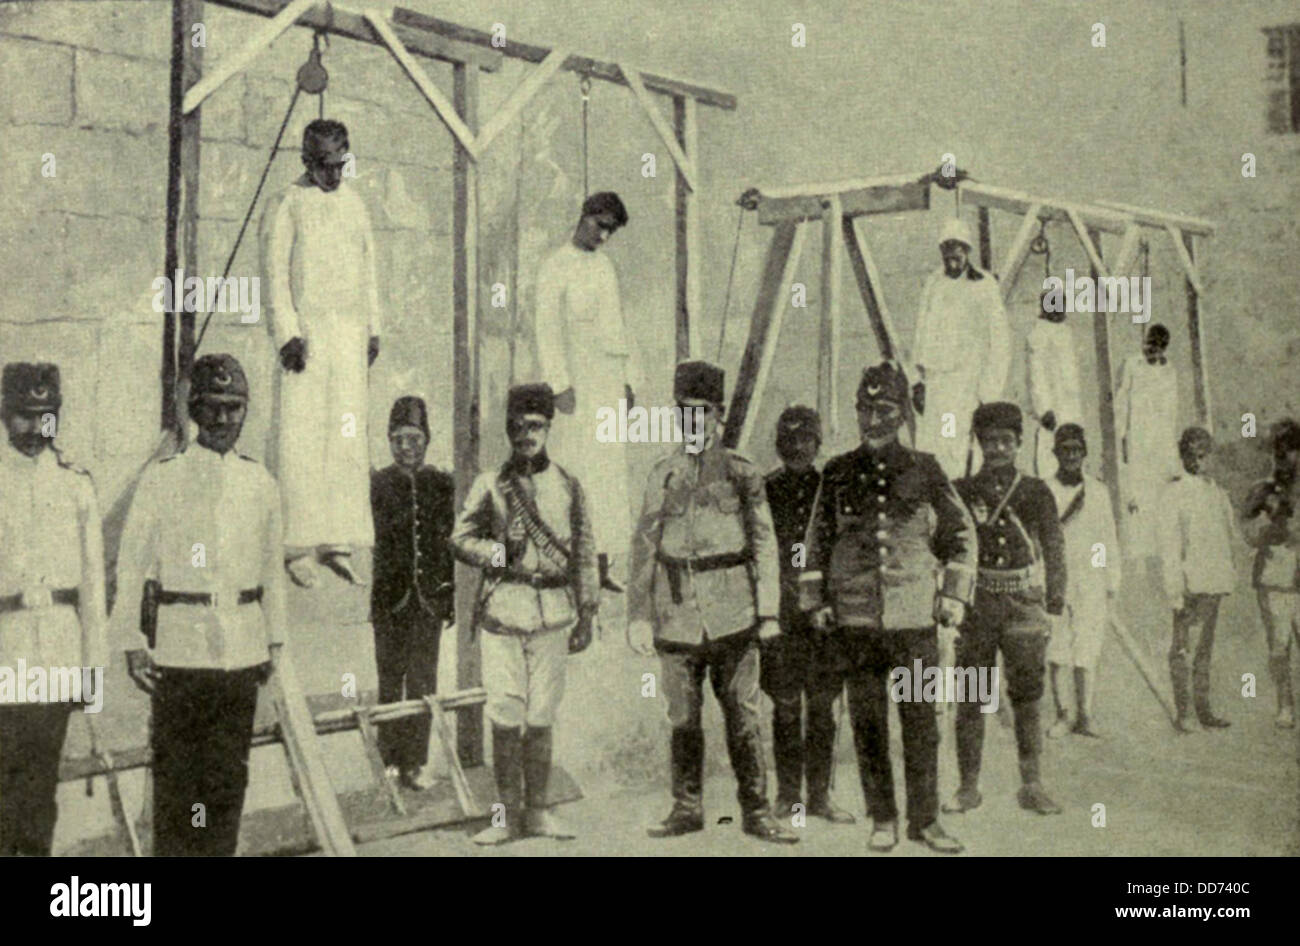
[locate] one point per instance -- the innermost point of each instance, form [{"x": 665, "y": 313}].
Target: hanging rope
[
  {"x": 1039, "y": 246},
  {"x": 584, "y": 87},
  {"x": 747, "y": 202}
]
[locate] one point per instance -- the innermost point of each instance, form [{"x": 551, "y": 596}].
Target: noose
[
  {"x": 312, "y": 79},
  {"x": 584, "y": 88}
]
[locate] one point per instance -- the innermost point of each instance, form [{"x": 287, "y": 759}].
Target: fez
[
  {"x": 699, "y": 380},
  {"x": 955, "y": 229},
  {"x": 1194, "y": 436},
  {"x": 409, "y": 411},
  {"x": 883, "y": 382},
  {"x": 31, "y": 387},
  {"x": 797, "y": 421},
  {"x": 1070, "y": 433},
  {"x": 1001, "y": 415},
  {"x": 530, "y": 399},
  {"x": 217, "y": 376},
  {"x": 1286, "y": 436},
  {"x": 605, "y": 202}
]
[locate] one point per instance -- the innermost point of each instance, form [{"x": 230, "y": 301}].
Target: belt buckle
[
  {"x": 536, "y": 581},
  {"x": 39, "y": 597}
]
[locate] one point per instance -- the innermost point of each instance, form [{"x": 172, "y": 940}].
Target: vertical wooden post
[
  {"x": 1106, "y": 398},
  {"x": 828, "y": 352},
  {"x": 181, "y": 247},
  {"x": 986, "y": 241},
  {"x": 1200, "y": 382},
  {"x": 465, "y": 397},
  {"x": 689, "y": 311}
]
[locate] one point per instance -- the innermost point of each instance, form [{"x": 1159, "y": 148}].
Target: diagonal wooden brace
[
  {"x": 459, "y": 782},
  {"x": 441, "y": 105},
  {"x": 1018, "y": 252},
  {"x": 370, "y": 742},
  {"x": 520, "y": 97},
  {"x": 685, "y": 163},
  {"x": 1193, "y": 274},
  {"x": 1094, "y": 255}
]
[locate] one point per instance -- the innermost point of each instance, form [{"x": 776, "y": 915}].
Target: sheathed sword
[{"x": 1139, "y": 658}]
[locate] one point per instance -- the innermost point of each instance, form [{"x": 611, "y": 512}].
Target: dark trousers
[
  {"x": 1018, "y": 625},
  {"x": 202, "y": 729},
  {"x": 31, "y": 742},
  {"x": 797, "y": 666},
  {"x": 406, "y": 657},
  {"x": 1202, "y": 610},
  {"x": 732, "y": 664},
  {"x": 869, "y": 655}
]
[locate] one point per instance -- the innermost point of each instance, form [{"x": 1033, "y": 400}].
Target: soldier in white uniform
[
  {"x": 585, "y": 353},
  {"x": 51, "y": 599},
  {"x": 1087, "y": 518},
  {"x": 962, "y": 349},
  {"x": 318, "y": 254},
  {"x": 1146, "y": 421},
  {"x": 200, "y": 574},
  {"x": 1054, "y": 392}
]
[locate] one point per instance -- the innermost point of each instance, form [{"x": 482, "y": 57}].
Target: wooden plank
[
  {"x": 605, "y": 71},
  {"x": 828, "y": 354},
  {"x": 1185, "y": 257},
  {"x": 306, "y": 762},
  {"x": 690, "y": 257},
  {"x": 827, "y": 188},
  {"x": 520, "y": 97},
  {"x": 685, "y": 166},
  {"x": 986, "y": 241},
  {"x": 1106, "y": 403},
  {"x": 465, "y": 398},
  {"x": 339, "y": 21},
  {"x": 189, "y": 222},
  {"x": 1200, "y": 359},
  {"x": 1005, "y": 198},
  {"x": 877, "y": 199},
  {"x": 770, "y": 299},
  {"x": 233, "y": 62},
  {"x": 1018, "y": 252},
  {"x": 873, "y": 299},
  {"x": 370, "y": 743},
  {"x": 1198, "y": 226},
  {"x": 441, "y": 106},
  {"x": 460, "y": 784}
]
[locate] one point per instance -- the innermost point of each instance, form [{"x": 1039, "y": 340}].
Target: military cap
[
  {"x": 605, "y": 202},
  {"x": 1002, "y": 415},
  {"x": 31, "y": 387},
  {"x": 797, "y": 421},
  {"x": 409, "y": 411},
  {"x": 701, "y": 380},
  {"x": 531, "y": 399},
  {"x": 218, "y": 376},
  {"x": 1070, "y": 433},
  {"x": 1286, "y": 435},
  {"x": 1194, "y": 436},
  {"x": 955, "y": 228},
  {"x": 883, "y": 382}
]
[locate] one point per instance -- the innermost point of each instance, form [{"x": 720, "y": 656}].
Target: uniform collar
[
  {"x": 520, "y": 466},
  {"x": 892, "y": 453},
  {"x": 999, "y": 477},
  {"x": 202, "y": 454}
]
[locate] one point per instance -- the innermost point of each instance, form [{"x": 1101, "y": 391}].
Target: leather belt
[
  {"x": 1010, "y": 580},
  {"x": 21, "y": 601},
  {"x": 537, "y": 580},
  {"x": 247, "y": 596},
  {"x": 674, "y": 567}
]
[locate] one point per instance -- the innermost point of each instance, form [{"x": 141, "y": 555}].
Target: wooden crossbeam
[
  {"x": 232, "y": 63},
  {"x": 828, "y": 351},
  {"x": 1005, "y": 198},
  {"x": 764, "y": 327},
  {"x": 520, "y": 97},
  {"x": 585, "y": 65},
  {"x": 1018, "y": 251},
  {"x": 840, "y": 188},
  {"x": 1198, "y": 226},
  {"x": 441, "y": 105},
  {"x": 685, "y": 164},
  {"x": 876, "y": 198}
]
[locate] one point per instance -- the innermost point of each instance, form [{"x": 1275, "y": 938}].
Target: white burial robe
[
  {"x": 1146, "y": 413},
  {"x": 1053, "y": 386},
  {"x": 963, "y": 342},
  {"x": 318, "y": 254},
  {"x": 1081, "y": 629},
  {"x": 583, "y": 343}
]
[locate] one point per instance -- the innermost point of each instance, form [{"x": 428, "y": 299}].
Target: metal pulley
[{"x": 312, "y": 77}]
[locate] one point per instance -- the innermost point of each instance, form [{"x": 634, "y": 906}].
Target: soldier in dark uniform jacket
[
  {"x": 888, "y": 531},
  {"x": 797, "y": 663},
  {"x": 414, "y": 511},
  {"x": 1021, "y": 581}
]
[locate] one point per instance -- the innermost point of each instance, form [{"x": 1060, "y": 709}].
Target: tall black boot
[
  {"x": 688, "y": 779},
  {"x": 1029, "y": 745},
  {"x": 539, "y": 820},
  {"x": 507, "y": 769}
]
